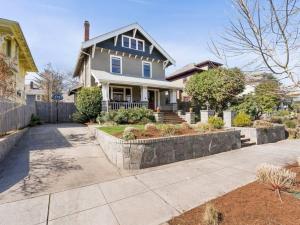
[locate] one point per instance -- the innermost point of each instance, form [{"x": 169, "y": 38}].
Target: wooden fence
[
  {"x": 51, "y": 112},
  {"x": 14, "y": 115}
]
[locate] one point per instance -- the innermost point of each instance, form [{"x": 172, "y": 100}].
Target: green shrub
[
  {"x": 150, "y": 127},
  {"x": 203, "y": 127},
  {"x": 78, "y": 117},
  {"x": 262, "y": 124},
  {"x": 216, "y": 122},
  {"x": 276, "y": 119},
  {"x": 34, "y": 120},
  {"x": 185, "y": 125},
  {"x": 290, "y": 123},
  {"x": 130, "y": 133},
  {"x": 88, "y": 102},
  {"x": 242, "y": 120},
  {"x": 127, "y": 116},
  {"x": 168, "y": 129},
  {"x": 282, "y": 113}
]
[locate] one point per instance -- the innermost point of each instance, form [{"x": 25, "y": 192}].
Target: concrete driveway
[
  {"x": 52, "y": 158},
  {"x": 147, "y": 197}
]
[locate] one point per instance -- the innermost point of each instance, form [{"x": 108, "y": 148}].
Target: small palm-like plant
[
  {"x": 279, "y": 178},
  {"x": 211, "y": 215}
]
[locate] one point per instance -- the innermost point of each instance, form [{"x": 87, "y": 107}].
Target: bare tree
[
  {"x": 7, "y": 77},
  {"x": 51, "y": 81},
  {"x": 266, "y": 34}
]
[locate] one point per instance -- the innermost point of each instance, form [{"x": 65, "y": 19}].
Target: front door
[{"x": 151, "y": 99}]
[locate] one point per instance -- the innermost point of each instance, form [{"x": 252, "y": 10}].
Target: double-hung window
[
  {"x": 147, "y": 69},
  {"x": 116, "y": 64},
  {"x": 133, "y": 43}
]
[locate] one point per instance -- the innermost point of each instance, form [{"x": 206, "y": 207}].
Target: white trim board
[{"x": 122, "y": 30}]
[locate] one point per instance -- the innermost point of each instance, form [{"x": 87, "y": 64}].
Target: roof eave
[{"x": 121, "y": 30}]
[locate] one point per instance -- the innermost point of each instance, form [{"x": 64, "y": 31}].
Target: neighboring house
[
  {"x": 34, "y": 93},
  {"x": 14, "y": 46},
  {"x": 182, "y": 75},
  {"x": 129, "y": 65},
  {"x": 253, "y": 79},
  {"x": 294, "y": 95}
]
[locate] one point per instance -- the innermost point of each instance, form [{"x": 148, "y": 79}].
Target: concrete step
[
  {"x": 246, "y": 144},
  {"x": 243, "y": 140}
]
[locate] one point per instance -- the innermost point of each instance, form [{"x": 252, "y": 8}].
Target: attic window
[{"x": 133, "y": 43}]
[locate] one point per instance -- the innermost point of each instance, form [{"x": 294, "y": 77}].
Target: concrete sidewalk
[{"x": 153, "y": 196}]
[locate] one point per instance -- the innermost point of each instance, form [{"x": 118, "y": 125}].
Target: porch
[{"x": 116, "y": 96}]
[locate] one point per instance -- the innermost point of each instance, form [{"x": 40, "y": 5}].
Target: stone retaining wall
[
  {"x": 263, "y": 135},
  {"x": 9, "y": 141},
  {"x": 143, "y": 153}
]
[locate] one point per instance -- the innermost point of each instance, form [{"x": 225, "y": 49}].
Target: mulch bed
[
  {"x": 253, "y": 204},
  {"x": 143, "y": 134}
]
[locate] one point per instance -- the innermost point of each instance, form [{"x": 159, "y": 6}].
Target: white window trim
[
  {"x": 144, "y": 62},
  {"x": 121, "y": 66},
  {"x": 137, "y": 44},
  {"x": 124, "y": 91}
]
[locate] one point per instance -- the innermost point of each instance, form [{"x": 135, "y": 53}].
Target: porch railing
[{"x": 126, "y": 105}]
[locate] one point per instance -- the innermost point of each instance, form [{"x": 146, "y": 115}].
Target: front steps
[
  {"x": 246, "y": 141},
  {"x": 173, "y": 118}
]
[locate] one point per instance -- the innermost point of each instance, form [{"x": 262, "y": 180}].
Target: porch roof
[{"x": 105, "y": 77}]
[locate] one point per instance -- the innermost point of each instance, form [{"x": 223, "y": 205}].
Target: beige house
[
  {"x": 129, "y": 66},
  {"x": 13, "y": 44}
]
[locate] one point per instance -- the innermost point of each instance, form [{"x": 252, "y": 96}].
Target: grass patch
[{"x": 112, "y": 130}]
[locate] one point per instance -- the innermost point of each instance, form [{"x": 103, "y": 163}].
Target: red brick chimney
[{"x": 86, "y": 36}]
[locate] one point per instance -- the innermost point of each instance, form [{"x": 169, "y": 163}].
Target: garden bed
[
  {"x": 141, "y": 133},
  {"x": 155, "y": 151},
  {"x": 253, "y": 204}
]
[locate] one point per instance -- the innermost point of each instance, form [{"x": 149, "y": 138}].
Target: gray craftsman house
[{"x": 129, "y": 66}]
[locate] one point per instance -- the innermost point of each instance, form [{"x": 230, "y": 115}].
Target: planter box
[
  {"x": 9, "y": 141},
  {"x": 143, "y": 153},
  {"x": 263, "y": 135}
]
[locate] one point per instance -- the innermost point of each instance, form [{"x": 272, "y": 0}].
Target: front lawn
[{"x": 117, "y": 129}]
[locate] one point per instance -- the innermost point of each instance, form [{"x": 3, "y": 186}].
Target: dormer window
[{"x": 133, "y": 43}]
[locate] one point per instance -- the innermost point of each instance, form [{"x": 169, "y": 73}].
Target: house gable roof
[
  {"x": 125, "y": 29},
  {"x": 191, "y": 69},
  {"x": 16, "y": 30}
]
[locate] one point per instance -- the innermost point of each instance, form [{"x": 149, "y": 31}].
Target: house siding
[
  {"x": 109, "y": 44},
  {"x": 130, "y": 66}
]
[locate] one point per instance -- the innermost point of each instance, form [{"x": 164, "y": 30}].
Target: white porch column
[
  {"x": 105, "y": 91},
  {"x": 105, "y": 97},
  {"x": 144, "y": 94},
  {"x": 173, "y": 97}
]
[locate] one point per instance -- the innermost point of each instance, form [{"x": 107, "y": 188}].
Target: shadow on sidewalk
[{"x": 32, "y": 160}]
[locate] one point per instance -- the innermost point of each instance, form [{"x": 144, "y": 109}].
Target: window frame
[
  {"x": 147, "y": 62},
  {"x": 137, "y": 40},
  {"x": 121, "y": 66},
  {"x": 112, "y": 87},
  {"x": 8, "y": 48}
]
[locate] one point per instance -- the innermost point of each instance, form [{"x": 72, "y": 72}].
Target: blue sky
[{"x": 54, "y": 29}]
